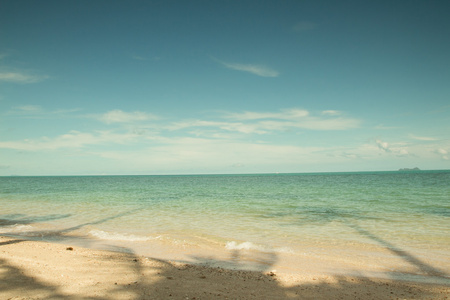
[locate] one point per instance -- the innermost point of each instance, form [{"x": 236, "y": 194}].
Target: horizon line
[{"x": 404, "y": 170}]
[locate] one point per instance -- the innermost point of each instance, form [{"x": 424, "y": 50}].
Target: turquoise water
[{"x": 292, "y": 216}]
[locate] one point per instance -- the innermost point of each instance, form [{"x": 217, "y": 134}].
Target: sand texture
[{"x": 39, "y": 270}]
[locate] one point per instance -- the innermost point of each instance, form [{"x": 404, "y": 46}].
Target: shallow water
[{"x": 378, "y": 221}]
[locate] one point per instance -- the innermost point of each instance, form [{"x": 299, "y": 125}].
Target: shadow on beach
[
  {"x": 57, "y": 235},
  {"x": 125, "y": 275},
  {"x": 21, "y": 219},
  {"x": 114, "y": 275},
  {"x": 421, "y": 267}
]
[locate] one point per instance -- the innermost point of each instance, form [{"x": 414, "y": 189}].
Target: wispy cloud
[
  {"x": 133, "y": 126},
  {"x": 138, "y": 57},
  {"x": 71, "y": 140},
  {"x": 206, "y": 154},
  {"x": 37, "y": 112},
  {"x": 119, "y": 116},
  {"x": 261, "y": 123},
  {"x": 383, "y": 145},
  {"x": 422, "y": 138},
  {"x": 214, "y": 126},
  {"x": 443, "y": 153},
  {"x": 258, "y": 70},
  {"x": 18, "y": 77},
  {"x": 383, "y": 127},
  {"x": 286, "y": 114},
  {"x": 28, "y": 108},
  {"x": 295, "y": 118},
  {"x": 254, "y": 69},
  {"x": 399, "y": 149},
  {"x": 331, "y": 112},
  {"x": 260, "y": 140}
]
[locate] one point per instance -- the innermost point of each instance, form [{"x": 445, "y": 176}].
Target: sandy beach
[{"x": 40, "y": 270}]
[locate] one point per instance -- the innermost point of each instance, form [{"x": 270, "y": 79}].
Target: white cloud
[
  {"x": 37, "y": 112},
  {"x": 245, "y": 116},
  {"x": 422, "y": 138},
  {"x": 138, "y": 57},
  {"x": 214, "y": 146},
  {"x": 399, "y": 149},
  {"x": 402, "y": 152},
  {"x": 383, "y": 145},
  {"x": 443, "y": 153},
  {"x": 263, "y": 123},
  {"x": 254, "y": 69},
  {"x": 17, "y": 77},
  {"x": 331, "y": 112},
  {"x": 287, "y": 114},
  {"x": 328, "y": 124},
  {"x": 118, "y": 116},
  {"x": 28, "y": 108},
  {"x": 294, "y": 113},
  {"x": 186, "y": 152},
  {"x": 72, "y": 140},
  {"x": 294, "y": 118},
  {"x": 383, "y": 127},
  {"x": 228, "y": 126},
  {"x": 258, "y": 70}
]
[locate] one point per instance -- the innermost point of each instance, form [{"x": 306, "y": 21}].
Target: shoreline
[
  {"x": 383, "y": 260},
  {"x": 43, "y": 270}
]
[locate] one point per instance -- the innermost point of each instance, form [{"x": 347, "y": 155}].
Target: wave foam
[
  {"x": 118, "y": 236},
  {"x": 250, "y": 246},
  {"x": 18, "y": 228}
]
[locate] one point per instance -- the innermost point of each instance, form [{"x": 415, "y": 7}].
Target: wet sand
[{"x": 40, "y": 270}]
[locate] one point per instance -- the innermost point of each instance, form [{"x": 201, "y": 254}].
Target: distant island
[{"x": 408, "y": 169}]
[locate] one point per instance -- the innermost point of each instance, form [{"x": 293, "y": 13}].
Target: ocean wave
[
  {"x": 119, "y": 236},
  {"x": 17, "y": 228},
  {"x": 251, "y": 246}
]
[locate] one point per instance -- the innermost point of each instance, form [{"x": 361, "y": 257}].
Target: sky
[{"x": 223, "y": 87}]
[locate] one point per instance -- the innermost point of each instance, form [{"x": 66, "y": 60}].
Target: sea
[{"x": 384, "y": 224}]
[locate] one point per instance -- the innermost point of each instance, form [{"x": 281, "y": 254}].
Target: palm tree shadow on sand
[
  {"x": 210, "y": 277},
  {"x": 136, "y": 277},
  {"x": 58, "y": 235},
  {"x": 321, "y": 216},
  {"x": 422, "y": 267}
]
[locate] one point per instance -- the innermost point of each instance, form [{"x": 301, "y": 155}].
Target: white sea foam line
[
  {"x": 250, "y": 246},
  {"x": 120, "y": 237},
  {"x": 18, "y": 228}
]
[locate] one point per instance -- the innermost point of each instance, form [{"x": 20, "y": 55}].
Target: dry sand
[{"x": 39, "y": 270}]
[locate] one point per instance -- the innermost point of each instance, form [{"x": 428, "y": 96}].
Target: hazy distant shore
[{"x": 36, "y": 270}]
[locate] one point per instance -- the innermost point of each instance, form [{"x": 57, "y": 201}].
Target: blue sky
[{"x": 192, "y": 87}]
